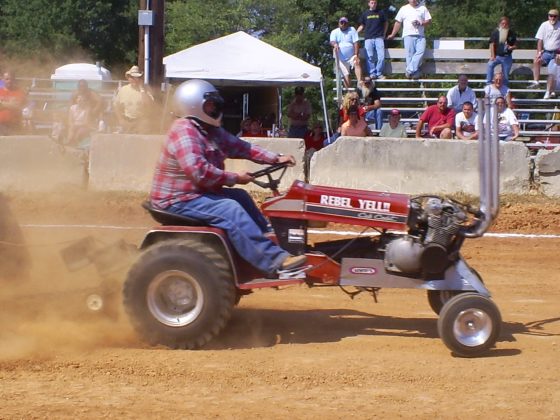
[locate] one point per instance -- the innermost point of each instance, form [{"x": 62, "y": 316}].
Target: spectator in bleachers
[
  {"x": 502, "y": 43},
  {"x": 548, "y": 44},
  {"x": 12, "y": 101},
  {"x": 355, "y": 126},
  {"x": 393, "y": 128},
  {"x": 350, "y": 99},
  {"x": 299, "y": 112},
  {"x": 553, "y": 79},
  {"x": 375, "y": 23},
  {"x": 497, "y": 89},
  {"x": 372, "y": 103},
  {"x": 461, "y": 93},
  {"x": 413, "y": 18},
  {"x": 466, "y": 123},
  {"x": 439, "y": 118},
  {"x": 508, "y": 126},
  {"x": 346, "y": 50}
]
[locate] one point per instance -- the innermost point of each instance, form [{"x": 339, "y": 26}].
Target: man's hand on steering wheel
[
  {"x": 244, "y": 177},
  {"x": 289, "y": 159}
]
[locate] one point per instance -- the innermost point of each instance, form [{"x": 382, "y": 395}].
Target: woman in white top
[{"x": 508, "y": 126}]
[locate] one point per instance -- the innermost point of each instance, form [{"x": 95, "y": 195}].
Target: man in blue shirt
[{"x": 346, "y": 50}]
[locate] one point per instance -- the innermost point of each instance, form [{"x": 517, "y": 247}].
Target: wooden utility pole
[{"x": 154, "y": 67}]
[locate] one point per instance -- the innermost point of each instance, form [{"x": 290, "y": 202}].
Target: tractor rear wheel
[{"x": 180, "y": 294}]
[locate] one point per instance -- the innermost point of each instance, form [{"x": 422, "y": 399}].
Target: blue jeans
[
  {"x": 377, "y": 116},
  {"x": 375, "y": 48},
  {"x": 234, "y": 211},
  {"x": 505, "y": 62},
  {"x": 415, "y": 47}
]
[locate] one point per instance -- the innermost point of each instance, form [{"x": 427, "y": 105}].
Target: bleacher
[{"x": 441, "y": 66}]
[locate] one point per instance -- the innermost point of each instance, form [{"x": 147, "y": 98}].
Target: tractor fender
[{"x": 209, "y": 236}]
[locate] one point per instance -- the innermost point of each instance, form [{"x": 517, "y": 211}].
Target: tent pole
[
  {"x": 325, "y": 113},
  {"x": 279, "y": 92}
]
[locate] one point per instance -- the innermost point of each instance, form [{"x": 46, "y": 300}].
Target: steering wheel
[{"x": 272, "y": 184}]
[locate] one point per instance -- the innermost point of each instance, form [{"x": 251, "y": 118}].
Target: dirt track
[{"x": 298, "y": 352}]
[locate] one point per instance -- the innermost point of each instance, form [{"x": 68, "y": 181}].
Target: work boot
[{"x": 293, "y": 261}]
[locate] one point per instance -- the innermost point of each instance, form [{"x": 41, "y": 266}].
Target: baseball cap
[
  {"x": 395, "y": 111},
  {"x": 343, "y": 19},
  {"x": 553, "y": 12}
]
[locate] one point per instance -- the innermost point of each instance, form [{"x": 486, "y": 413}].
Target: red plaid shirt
[{"x": 191, "y": 162}]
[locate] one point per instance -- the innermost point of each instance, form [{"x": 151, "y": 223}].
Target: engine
[{"x": 434, "y": 223}]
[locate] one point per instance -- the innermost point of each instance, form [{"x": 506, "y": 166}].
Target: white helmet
[{"x": 189, "y": 100}]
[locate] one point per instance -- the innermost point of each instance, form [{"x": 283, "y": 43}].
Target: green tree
[{"x": 99, "y": 30}]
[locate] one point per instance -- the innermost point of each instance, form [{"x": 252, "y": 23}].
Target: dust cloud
[{"x": 60, "y": 286}]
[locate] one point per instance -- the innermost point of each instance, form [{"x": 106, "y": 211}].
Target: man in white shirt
[
  {"x": 394, "y": 127},
  {"x": 548, "y": 43},
  {"x": 466, "y": 123},
  {"x": 461, "y": 93},
  {"x": 346, "y": 50},
  {"x": 413, "y": 18}
]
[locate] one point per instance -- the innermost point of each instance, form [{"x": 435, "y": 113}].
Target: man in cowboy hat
[{"x": 133, "y": 103}]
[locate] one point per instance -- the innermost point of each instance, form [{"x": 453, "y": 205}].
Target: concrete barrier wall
[
  {"x": 37, "y": 163},
  {"x": 547, "y": 164},
  {"x": 126, "y": 163},
  {"x": 123, "y": 162},
  {"x": 415, "y": 166}
]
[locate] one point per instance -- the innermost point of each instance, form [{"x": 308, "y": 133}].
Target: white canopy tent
[{"x": 242, "y": 60}]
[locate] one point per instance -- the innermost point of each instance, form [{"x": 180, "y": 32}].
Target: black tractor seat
[{"x": 167, "y": 218}]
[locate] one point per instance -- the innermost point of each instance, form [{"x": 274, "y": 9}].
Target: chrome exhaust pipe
[{"x": 488, "y": 169}]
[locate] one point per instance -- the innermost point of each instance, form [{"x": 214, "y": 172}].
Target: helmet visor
[{"x": 216, "y": 99}]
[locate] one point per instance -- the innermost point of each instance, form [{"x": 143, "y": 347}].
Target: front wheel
[
  {"x": 469, "y": 324},
  {"x": 180, "y": 294}
]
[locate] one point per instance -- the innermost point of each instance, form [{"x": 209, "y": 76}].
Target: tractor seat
[{"x": 171, "y": 219}]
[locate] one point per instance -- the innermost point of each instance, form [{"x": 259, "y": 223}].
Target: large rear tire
[
  {"x": 180, "y": 294},
  {"x": 469, "y": 324}
]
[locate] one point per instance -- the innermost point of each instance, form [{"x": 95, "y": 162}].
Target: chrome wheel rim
[
  {"x": 175, "y": 298},
  {"x": 472, "y": 327}
]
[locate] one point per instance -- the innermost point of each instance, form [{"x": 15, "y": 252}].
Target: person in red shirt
[
  {"x": 315, "y": 137},
  {"x": 12, "y": 101},
  {"x": 440, "y": 119},
  {"x": 255, "y": 129}
]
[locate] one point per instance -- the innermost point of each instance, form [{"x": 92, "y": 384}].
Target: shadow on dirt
[{"x": 251, "y": 328}]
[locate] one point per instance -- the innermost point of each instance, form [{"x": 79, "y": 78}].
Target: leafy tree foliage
[{"x": 101, "y": 30}]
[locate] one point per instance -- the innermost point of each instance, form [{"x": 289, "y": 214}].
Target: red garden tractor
[{"x": 183, "y": 287}]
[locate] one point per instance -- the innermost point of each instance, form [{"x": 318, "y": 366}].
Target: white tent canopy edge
[{"x": 239, "y": 59}]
